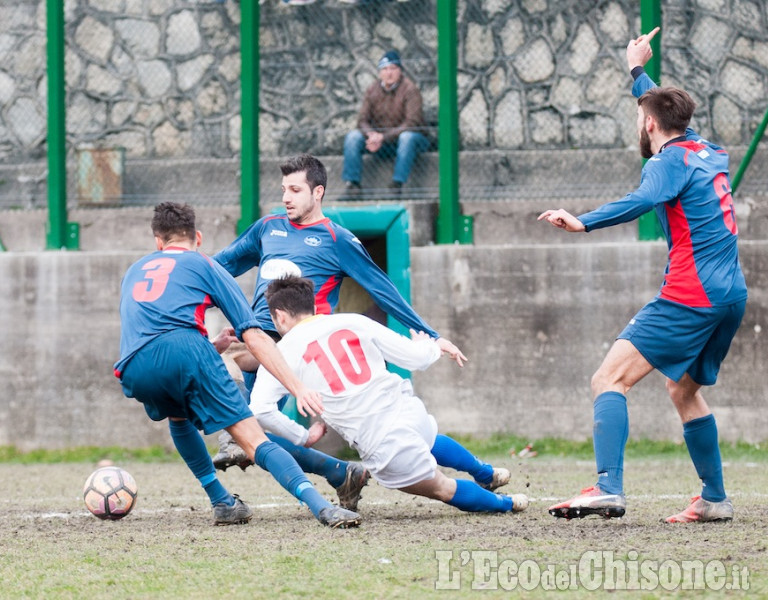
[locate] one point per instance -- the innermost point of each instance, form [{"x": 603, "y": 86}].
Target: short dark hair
[
  {"x": 315, "y": 170},
  {"x": 293, "y": 294},
  {"x": 174, "y": 220},
  {"x": 671, "y": 107}
]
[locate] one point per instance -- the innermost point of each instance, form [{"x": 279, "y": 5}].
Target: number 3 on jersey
[
  {"x": 155, "y": 280},
  {"x": 346, "y": 350}
]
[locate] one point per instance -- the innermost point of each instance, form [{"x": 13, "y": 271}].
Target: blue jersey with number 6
[{"x": 687, "y": 184}]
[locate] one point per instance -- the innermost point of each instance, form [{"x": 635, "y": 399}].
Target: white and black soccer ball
[{"x": 110, "y": 493}]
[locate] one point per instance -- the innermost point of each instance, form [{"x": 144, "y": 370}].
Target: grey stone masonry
[{"x": 161, "y": 78}]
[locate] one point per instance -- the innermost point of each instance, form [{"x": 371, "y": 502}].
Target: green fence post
[
  {"x": 750, "y": 151},
  {"x": 61, "y": 234},
  {"x": 648, "y": 227},
  {"x": 448, "y": 218},
  {"x": 249, "y": 110}
]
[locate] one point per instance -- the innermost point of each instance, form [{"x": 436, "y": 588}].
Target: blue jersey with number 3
[{"x": 171, "y": 289}]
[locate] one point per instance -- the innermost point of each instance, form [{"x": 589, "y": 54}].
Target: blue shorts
[
  {"x": 678, "y": 339},
  {"x": 180, "y": 374}
]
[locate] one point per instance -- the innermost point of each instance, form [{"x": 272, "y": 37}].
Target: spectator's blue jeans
[{"x": 408, "y": 146}]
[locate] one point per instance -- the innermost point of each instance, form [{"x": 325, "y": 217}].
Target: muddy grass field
[{"x": 51, "y": 547}]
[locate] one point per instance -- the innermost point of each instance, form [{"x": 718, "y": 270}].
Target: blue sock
[
  {"x": 449, "y": 453},
  {"x": 701, "y": 438},
  {"x": 193, "y": 450},
  {"x": 471, "y": 497},
  {"x": 314, "y": 461},
  {"x": 272, "y": 458},
  {"x": 609, "y": 434}
]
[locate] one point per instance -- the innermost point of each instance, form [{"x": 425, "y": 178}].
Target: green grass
[
  {"x": 501, "y": 445},
  {"x": 167, "y": 547},
  {"x": 491, "y": 447},
  {"x": 11, "y": 454}
]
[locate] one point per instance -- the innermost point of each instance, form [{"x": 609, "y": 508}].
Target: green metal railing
[
  {"x": 750, "y": 152},
  {"x": 249, "y": 89},
  {"x": 449, "y": 220},
  {"x": 451, "y": 226},
  {"x": 62, "y": 235}
]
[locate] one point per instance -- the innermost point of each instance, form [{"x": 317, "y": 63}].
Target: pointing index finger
[{"x": 652, "y": 34}]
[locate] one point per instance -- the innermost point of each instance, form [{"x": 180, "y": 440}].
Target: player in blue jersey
[
  {"x": 305, "y": 242},
  {"x": 686, "y": 330},
  {"x": 168, "y": 364}
]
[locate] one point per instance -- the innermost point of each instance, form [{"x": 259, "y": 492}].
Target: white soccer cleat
[
  {"x": 501, "y": 477},
  {"x": 591, "y": 501},
  {"x": 704, "y": 511},
  {"x": 519, "y": 502}
]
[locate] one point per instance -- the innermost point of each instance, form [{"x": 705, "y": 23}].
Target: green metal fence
[{"x": 185, "y": 100}]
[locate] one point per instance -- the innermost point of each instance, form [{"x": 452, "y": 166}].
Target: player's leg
[
  {"x": 409, "y": 145},
  {"x": 403, "y": 460},
  {"x": 271, "y": 457},
  {"x": 449, "y": 453},
  {"x": 354, "y": 146},
  {"x": 347, "y": 478},
  {"x": 466, "y": 495},
  {"x": 171, "y": 376},
  {"x": 620, "y": 370},
  {"x": 229, "y": 453},
  {"x": 700, "y": 435},
  {"x": 699, "y": 425},
  {"x": 227, "y": 509}
]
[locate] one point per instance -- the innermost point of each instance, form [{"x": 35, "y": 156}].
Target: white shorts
[{"x": 404, "y": 456}]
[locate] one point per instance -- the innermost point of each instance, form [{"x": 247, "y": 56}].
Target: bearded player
[{"x": 686, "y": 330}]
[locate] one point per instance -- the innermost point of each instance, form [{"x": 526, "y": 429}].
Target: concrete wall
[{"x": 535, "y": 321}]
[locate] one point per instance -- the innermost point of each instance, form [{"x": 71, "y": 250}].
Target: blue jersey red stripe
[
  {"x": 688, "y": 186},
  {"x": 171, "y": 289},
  {"x": 322, "y": 251}
]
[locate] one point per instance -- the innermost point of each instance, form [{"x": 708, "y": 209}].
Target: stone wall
[{"x": 161, "y": 78}]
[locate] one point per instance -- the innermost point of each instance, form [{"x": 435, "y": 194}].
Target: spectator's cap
[{"x": 390, "y": 58}]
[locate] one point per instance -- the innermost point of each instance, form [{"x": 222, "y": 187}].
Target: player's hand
[
  {"x": 316, "y": 431},
  {"x": 374, "y": 141},
  {"x": 224, "y": 340},
  {"x": 309, "y": 402},
  {"x": 451, "y": 350},
  {"x": 419, "y": 335},
  {"x": 639, "y": 50},
  {"x": 562, "y": 219}
]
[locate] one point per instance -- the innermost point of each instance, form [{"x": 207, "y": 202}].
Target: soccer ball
[{"x": 110, "y": 493}]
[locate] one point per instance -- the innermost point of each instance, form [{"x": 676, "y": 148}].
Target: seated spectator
[{"x": 390, "y": 124}]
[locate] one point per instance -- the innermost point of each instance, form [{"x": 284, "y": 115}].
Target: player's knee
[
  {"x": 676, "y": 392},
  {"x": 599, "y": 383}
]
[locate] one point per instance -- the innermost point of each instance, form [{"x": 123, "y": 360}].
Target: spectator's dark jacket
[{"x": 392, "y": 112}]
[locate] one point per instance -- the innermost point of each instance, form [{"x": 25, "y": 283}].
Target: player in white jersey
[{"x": 344, "y": 356}]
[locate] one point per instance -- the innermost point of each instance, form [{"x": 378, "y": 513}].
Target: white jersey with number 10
[{"x": 344, "y": 356}]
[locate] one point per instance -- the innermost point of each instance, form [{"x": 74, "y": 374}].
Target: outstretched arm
[
  {"x": 562, "y": 219},
  {"x": 268, "y": 354},
  {"x": 446, "y": 346}
]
